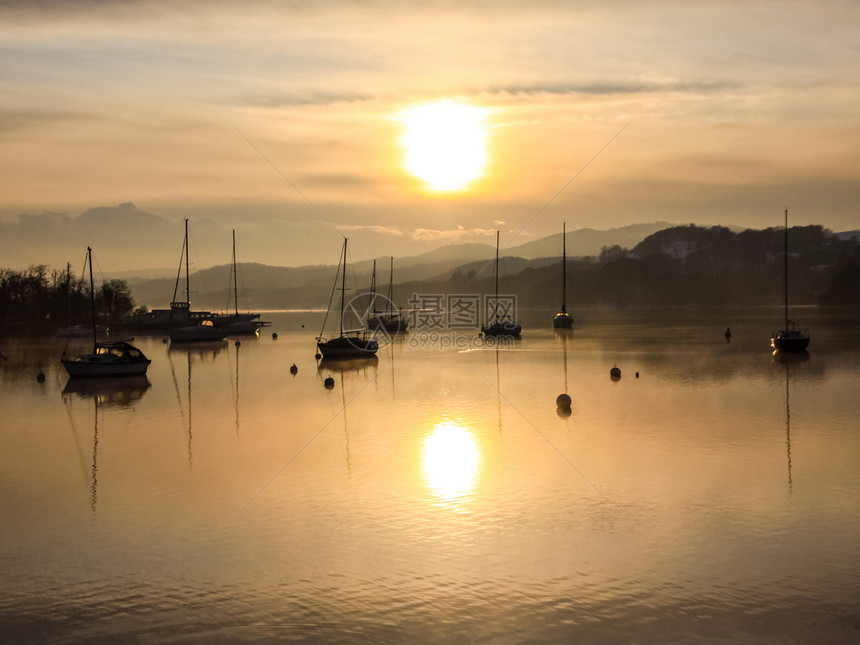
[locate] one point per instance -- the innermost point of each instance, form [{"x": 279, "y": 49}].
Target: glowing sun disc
[{"x": 445, "y": 144}]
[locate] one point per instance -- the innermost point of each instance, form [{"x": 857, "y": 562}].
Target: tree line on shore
[{"x": 42, "y": 301}]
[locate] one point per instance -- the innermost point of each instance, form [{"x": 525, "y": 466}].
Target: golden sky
[{"x": 284, "y": 119}]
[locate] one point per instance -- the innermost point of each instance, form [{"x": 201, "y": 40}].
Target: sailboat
[
  {"x": 237, "y": 323},
  {"x": 347, "y": 344},
  {"x": 114, "y": 358},
  {"x": 390, "y": 319},
  {"x": 498, "y": 327},
  {"x": 204, "y": 330},
  {"x": 788, "y": 339},
  {"x": 563, "y": 320}
]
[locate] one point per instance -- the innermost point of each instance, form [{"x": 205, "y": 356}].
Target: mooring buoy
[
  {"x": 563, "y": 400},
  {"x": 615, "y": 373},
  {"x": 293, "y": 369},
  {"x": 329, "y": 383}
]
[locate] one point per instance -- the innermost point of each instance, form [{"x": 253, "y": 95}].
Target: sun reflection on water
[{"x": 451, "y": 460}]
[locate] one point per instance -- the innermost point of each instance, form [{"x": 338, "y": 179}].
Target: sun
[{"x": 445, "y": 144}]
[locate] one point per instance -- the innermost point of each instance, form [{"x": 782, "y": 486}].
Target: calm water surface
[{"x": 437, "y": 494}]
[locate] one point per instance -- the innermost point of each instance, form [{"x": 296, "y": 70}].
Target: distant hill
[
  {"x": 673, "y": 265},
  {"x": 586, "y": 241},
  {"x": 260, "y": 283}
]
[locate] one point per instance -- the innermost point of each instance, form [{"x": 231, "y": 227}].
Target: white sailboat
[{"x": 204, "y": 330}]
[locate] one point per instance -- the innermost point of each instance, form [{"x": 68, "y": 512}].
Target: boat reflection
[
  {"x": 791, "y": 361},
  {"x": 104, "y": 392},
  {"x": 362, "y": 364},
  {"x": 109, "y": 391},
  {"x": 451, "y": 457},
  {"x": 563, "y": 404},
  {"x": 203, "y": 349}
]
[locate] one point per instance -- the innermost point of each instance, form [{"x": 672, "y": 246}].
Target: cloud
[
  {"x": 381, "y": 230},
  {"x": 422, "y": 234},
  {"x": 619, "y": 86},
  {"x": 459, "y": 233}
]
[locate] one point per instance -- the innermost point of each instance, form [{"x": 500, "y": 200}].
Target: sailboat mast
[
  {"x": 373, "y": 289},
  {"x": 343, "y": 285},
  {"x": 785, "y": 268},
  {"x": 187, "y": 280},
  {"x": 235, "y": 288},
  {"x": 92, "y": 295},
  {"x": 391, "y": 282},
  {"x": 496, "y": 311},
  {"x": 564, "y": 267}
]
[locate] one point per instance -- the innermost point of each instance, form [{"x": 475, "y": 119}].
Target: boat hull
[
  {"x": 347, "y": 347},
  {"x": 109, "y": 359},
  {"x": 506, "y": 329},
  {"x": 84, "y": 368},
  {"x": 245, "y": 328},
  {"x": 198, "y": 334},
  {"x": 391, "y": 324},
  {"x": 562, "y": 320},
  {"x": 789, "y": 341}
]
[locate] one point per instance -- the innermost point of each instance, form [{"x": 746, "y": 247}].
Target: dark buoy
[
  {"x": 303, "y": 326},
  {"x": 615, "y": 373},
  {"x": 728, "y": 332},
  {"x": 293, "y": 369},
  {"x": 275, "y": 335},
  {"x": 637, "y": 374},
  {"x": 238, "y": 343},
  {"x": 317, "y": 356},
  {"x": 562, "y": 402},
  {"x": 164, "y": 340},
  {"x": 40, "y": 377},
  {"x": 329, "y": 383}
]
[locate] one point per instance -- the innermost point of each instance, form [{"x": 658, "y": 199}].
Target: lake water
[{"x": 437, "y": 494}]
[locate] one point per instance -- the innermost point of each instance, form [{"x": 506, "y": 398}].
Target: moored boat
[
  {"x": 789, "y": 338},
  {"x": 195, "y": 329},
  {"x": 391, "y": 319},
  {"x": 498, "y": 327},
  {"x": 114, "y": 358},
  {"x": 563, "y": 320},
  {"x": 347, "y": 344}
]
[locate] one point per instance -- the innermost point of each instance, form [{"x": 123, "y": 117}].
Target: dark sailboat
[
  {"x": 789, "y": 338},
  {"x": 563, "y": 320},
  {"x": 347, "y": 344},
  {"x": 196, "y": 329},
  {"x": 108, "y": 359},
  {"x": 499, "y": 327},
  {"x": 389, "y": 320},
  {"x": 237, "y": 323}
]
